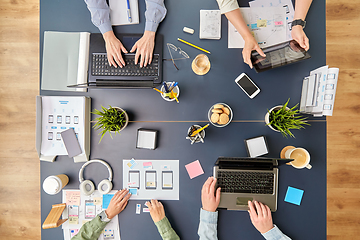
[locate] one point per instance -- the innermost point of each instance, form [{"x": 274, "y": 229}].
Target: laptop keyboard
[
  {"x": 100, "y": 66},
  {"x": 246, "y": 182}
]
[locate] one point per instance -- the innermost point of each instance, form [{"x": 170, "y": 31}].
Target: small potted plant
[
  {"x": 282, "y": 119},
  {"x": 112, "y": 120}
]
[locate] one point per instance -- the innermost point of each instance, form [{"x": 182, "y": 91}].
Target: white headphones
[{"x": 87, "y": 187}]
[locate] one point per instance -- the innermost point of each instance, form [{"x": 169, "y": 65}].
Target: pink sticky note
[
  {"x": 147, "y": 164},
  {"x": 194, "y": 169},
  {"x": 278, "y": 23},
  {"x": 73, "y": 198}
]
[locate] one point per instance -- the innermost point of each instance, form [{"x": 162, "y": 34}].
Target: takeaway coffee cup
[
  {"x": 201, "y": 64},
  {"x": 53, "y": 184},
  {"x": 301, "y": 157}
]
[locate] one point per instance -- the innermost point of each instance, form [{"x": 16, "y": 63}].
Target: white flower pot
[
  {"x": 267, "y": 116},
  {"x": 126, "y": 119}
]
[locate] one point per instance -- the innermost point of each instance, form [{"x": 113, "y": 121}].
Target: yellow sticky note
[
  {"x": 261, "y": 23},
  {"x": 252, "y": 33},
  {"x": 97, "y": 200},
  {"x": 73, "y": 220}
]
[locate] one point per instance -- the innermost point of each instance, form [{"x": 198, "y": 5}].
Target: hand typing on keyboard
[
  {"x": 114, "y": 48},
  {"x": 260, "y": 216},
  {"x": 210, "y": 201},
  {"x": 144, "y": 47}
]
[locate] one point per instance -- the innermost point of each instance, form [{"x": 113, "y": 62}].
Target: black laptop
[{"x": 101, "y": 75}]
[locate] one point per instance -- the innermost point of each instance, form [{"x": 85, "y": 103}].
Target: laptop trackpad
[{"x": 243, "y": 201}]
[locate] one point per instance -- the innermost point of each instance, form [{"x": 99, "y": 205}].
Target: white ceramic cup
[
  {"x": 53, "y": 184},
  {"x": 301, "y": 158}
]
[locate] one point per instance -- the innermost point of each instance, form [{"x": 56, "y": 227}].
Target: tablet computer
[{"x": 278, "y": 55}]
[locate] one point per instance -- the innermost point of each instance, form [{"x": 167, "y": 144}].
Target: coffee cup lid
[
  {"x": 51, "y": 185},
  {"x": 198, "y": 71}
]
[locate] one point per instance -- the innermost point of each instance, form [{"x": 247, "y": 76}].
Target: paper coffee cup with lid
[{"x": 53, "y": 184}]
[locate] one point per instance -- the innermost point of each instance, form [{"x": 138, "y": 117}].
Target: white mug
[{"x": 301, "y": 158}]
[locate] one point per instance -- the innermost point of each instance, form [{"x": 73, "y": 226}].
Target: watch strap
[
  {"x": 103, "y": 217},
  {"x": 298, "y": 22}
]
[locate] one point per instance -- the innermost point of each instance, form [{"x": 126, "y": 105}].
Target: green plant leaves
[
  {"x": 285, "y": 119},
  {"x": 111, "y": 119}
]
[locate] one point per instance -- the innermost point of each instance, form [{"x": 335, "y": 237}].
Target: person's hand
[
  {"x": 113, "y": 49},
  {"x": 210, "y": 201},
  {"x": 298, "y": 34},
  {"x": 251, "y": 44},
  {"x": 156, "y": 210},
  {"x": 260, "y": 216},
  {"x": 144, "y": 47},
  {"x": 118, "y": 203}
]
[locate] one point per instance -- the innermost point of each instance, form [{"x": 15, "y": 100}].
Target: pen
[
  {"x": 165, "y": 87},
  {"x": 158, "y": 90},
  {"x": 190, "y": 44},
  {"x": 128, "y": 10},
  {"x": 173, "y": 86},
  {"x": 199, "y": 130}
]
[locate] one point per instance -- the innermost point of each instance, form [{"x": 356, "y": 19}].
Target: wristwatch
[
  {"x": 104, "y": 217},
  {"x": 298, "y": 22}
]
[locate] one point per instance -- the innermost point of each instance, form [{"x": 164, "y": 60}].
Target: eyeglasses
[{"x": 176, "y": 49}]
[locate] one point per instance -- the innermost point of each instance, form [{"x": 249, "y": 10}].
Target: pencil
[
  {"x": 174, "y": 95},
  {"x": 158, "y": 90},
  {"x": 190, "y": 44},
  {"x": 199, "y": 130}
]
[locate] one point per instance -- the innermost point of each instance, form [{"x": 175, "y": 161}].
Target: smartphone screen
[
  {"x": 150, "y": 178},
  {"x": 167, "y": 179},
  {"x": 247, "y": 85},
  {"x": 134, "y": 179}
]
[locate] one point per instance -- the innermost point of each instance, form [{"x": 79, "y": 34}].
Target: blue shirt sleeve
[
  {"x": 275, "y": 234},
  {"x": 100, "y": 14},
  {"x": 154, "y": 14},
  {"x": 208, "y": 225}
]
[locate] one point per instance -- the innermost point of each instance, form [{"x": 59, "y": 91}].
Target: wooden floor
[{"x": 19, "y": 81}]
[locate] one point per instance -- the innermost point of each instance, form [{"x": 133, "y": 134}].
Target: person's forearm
[
  {"x": 154, "y": 14},
  {"x": 208, "y": 225},
  {"x": 236, "y": 18},
  {"x": 301, "y": 9},
  {"x": 100, "y": 14},
  {"x": 90, "y": 230},
  {"x": 165, "y": 230}
]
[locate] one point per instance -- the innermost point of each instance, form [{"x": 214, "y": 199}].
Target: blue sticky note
[
  {"x": 106, "y": 200},
  {"x": 253, "y": 25},
  {"x": 133, "y": 191},
  {"x": 294, "y": 195}
]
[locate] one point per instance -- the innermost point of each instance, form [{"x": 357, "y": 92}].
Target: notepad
[
  {"x": 65, "y": 60},
  {"x": 210, "y": 24},
  {"x": 118, "y": 12}
]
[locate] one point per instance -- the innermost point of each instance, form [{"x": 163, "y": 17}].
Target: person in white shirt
[
  {"x": 232, "y": 11},
  {"x": 260, "y": 215}
]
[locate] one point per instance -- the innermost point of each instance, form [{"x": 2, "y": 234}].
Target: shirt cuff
[
  {"x": 163, "y": 225},
  {"x": 229, "y": 6},
  {"x": 273, "y": 233},
  {"x": 105, "y": 27},
  {"x": 151, "y": 26},
  {"x": 208, "y": 217}
]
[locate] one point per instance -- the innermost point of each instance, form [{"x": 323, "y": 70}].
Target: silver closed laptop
[{"x": 244, "y": 179}]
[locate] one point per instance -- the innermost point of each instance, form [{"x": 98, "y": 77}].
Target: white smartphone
[{"x": 248, "y": 86}]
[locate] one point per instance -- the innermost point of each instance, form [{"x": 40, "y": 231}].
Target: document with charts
[
  {"x": 289, "y": 10},
  {"x": 266, "y": 24}
]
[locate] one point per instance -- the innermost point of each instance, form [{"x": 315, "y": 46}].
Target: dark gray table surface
[{"x": 197, "y": 94}]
